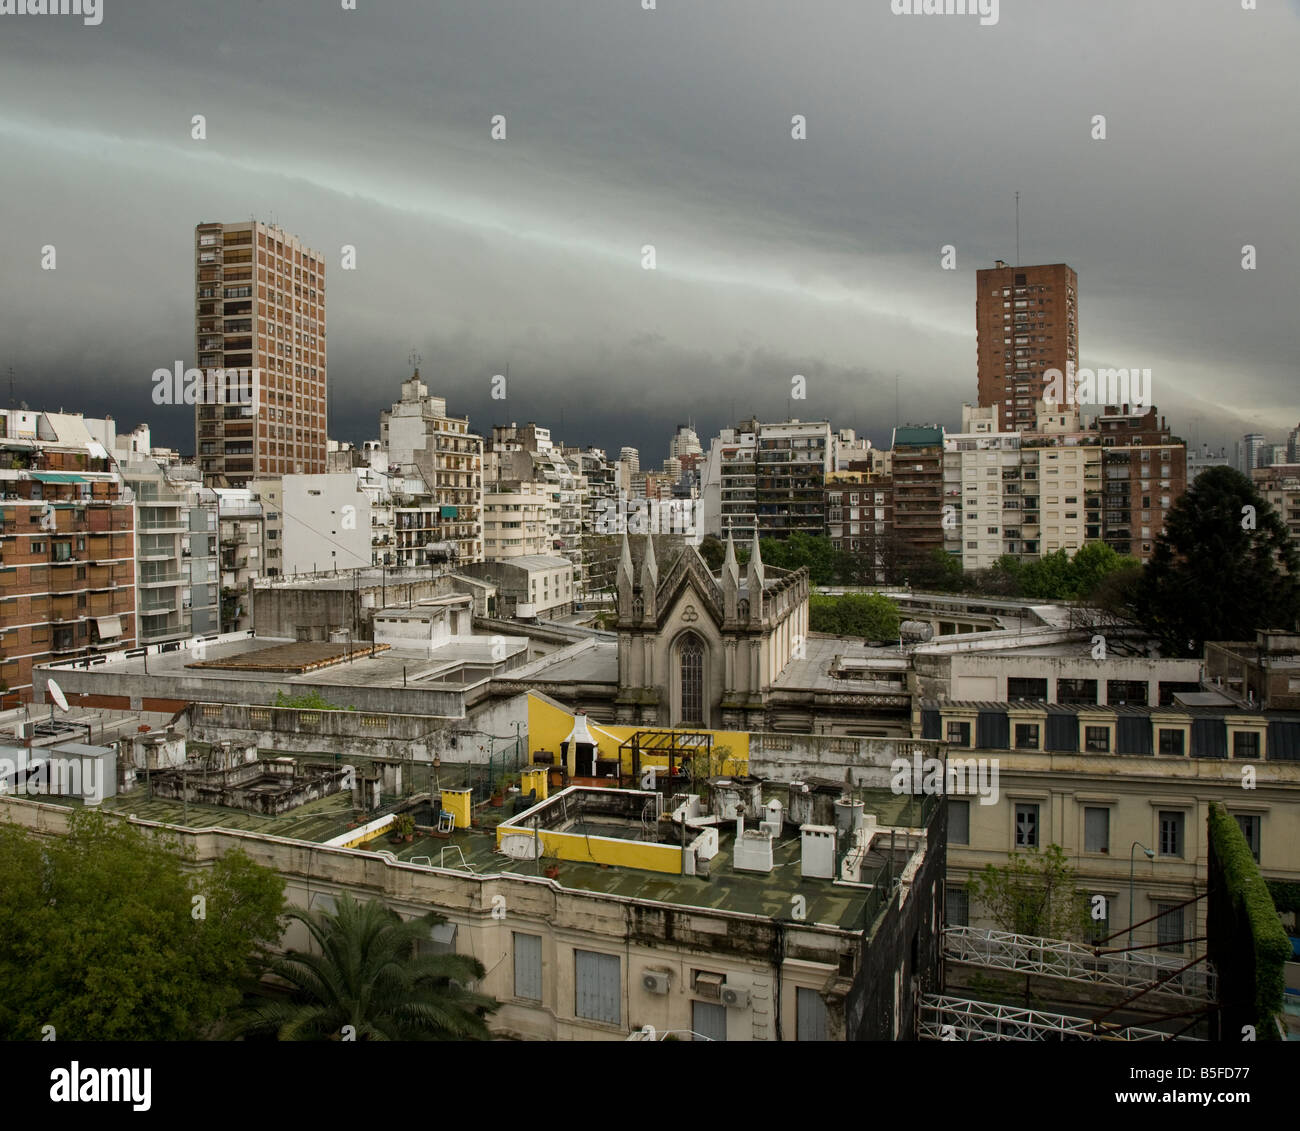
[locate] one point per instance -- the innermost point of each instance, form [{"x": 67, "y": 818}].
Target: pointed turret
[
  {"x": 754, "y": 574},
  {"x": 624, "y": 580},
  {"x": 649, "y": 579},
  {"x": 649, "y": 567},
  {"x": 730, "y": 570},
  {"x": 730, "y": 580}
]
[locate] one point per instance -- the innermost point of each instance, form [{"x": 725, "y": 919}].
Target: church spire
[
  {"x": 624, "y": 579},
  {"x": 649, "y": 567},
  {"x": 754, "y": 575},
  {"x": 649, "y": 579},
  {"x": 730, "y": 570}
]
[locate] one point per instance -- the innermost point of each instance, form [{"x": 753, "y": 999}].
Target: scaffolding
[
  {"x": 1056, "y": 958},
  {"x": 957, "y": 1019}
]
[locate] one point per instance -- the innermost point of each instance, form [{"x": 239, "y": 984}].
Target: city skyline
[{"x": 525, "y": 255}]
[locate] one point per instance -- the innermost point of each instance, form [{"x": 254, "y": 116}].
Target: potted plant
[
  {"x": 404, "y": 828},
  {"x": 499, "y": 790}
]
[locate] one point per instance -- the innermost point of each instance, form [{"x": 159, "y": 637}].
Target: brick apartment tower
[
  {"x": 67, "y": 540},
  {"x": 1026, "y": 322},
  {"x": 260, "y": 304}
]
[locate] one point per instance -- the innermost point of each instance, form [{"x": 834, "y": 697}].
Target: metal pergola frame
[{"x": 676, "y": 744}]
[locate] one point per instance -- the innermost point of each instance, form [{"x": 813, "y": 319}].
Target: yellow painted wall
[
  {"x": 602, "y": 850},
  {"x": 457, "y": 801},
  {"x": 549, "y": 726},
  {"x": 535, "y": 779}
]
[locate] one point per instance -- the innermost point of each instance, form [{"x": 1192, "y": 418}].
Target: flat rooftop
[
  {"x": 474, "y": 850},
  {"x": 290, "y": 659},
  {"x": 389, "y": 667},
  {"x": 820, "y": 654},
  {"x": 595, "y": 663}
]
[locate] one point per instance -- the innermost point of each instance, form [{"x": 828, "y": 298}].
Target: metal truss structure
[
  {"x": 1026, "y": 954},
  {"x": 957, "y": 1019}
]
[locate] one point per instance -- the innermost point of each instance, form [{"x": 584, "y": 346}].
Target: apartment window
[
  {"x": 528, "y": 966},
  {"x": 812, "y": 1022},
  {"x": 1126, "y": 691},
  {"x": 1172, "y": 741},
  {"x": 1099, "y": 929},
  {"x": 958, "y": 734},
  {"x": 708, "y": 1021},
  {"x": 1169, "y": 927},
  {"x": 1023, "y": 687},
  {"x": 1096, "y": 829},
  {"x": 1171, "y": 833},
  {"x": 1076, "y": 691},
  {"x": 1027, "y": 736},
  {"x": 1249, "y": 823},
  {"x": 1096, "y": 739},
  {"x": 958, "y": 822},
  {"x": 1245, "y": 744},
  {"x": 957, "y": 906},
  {"x": 598, "y": 984},
  {"x": 1026, "y": 826}
]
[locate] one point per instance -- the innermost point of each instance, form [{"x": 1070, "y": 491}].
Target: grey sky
[{"x": 669, "y": 127}]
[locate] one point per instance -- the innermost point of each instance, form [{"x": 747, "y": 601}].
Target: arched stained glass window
[{"x": 692, "y": 663}]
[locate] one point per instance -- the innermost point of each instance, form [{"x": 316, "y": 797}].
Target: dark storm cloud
[{"x": 668, "y": 127}]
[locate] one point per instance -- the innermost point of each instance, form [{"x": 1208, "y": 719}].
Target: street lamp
[{"x": 1150, "y": 856}]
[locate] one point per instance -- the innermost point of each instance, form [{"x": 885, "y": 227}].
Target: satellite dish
[{"x": 56, "y": 693}]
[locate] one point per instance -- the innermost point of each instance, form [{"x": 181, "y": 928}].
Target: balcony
[
  {"x": 169, "y": 577},
  {"x": 65, "y": 608}
]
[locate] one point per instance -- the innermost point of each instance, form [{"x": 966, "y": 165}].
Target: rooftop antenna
[
  {"x": 1017, "y": 227},
  {"x": 11, "y": 386}
]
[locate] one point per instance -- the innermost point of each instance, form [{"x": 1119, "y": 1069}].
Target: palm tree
[{"x": 367, "y": 976}]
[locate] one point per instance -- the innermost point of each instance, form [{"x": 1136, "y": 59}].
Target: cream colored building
[
  {"x": 515, "y": 519},
  {"x": 1107, "y": 784}
]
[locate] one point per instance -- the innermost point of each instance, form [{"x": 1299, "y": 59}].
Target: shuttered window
[
  {"x": 708, "y": 1021},
  {"x": 528, "y": 966},
  {"x": 1096, "y": 830},
  {"x": 598, "y": 986},
  {"x": 811, "y": 1021}
]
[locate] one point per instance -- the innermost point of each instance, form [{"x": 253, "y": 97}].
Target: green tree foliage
[
  {"x": 937, "y": 571},
  {"x": 102, "y": 937},
  {"x": 871, "y": 616},
  {"x": 1224, "y": 567},
  {"x": 364, "y": 972},
  {"x": 1247, "y": 938},
  {"x": 1047, "y": 578},
  {"x": 801, "y": 549},
  {"x": 1094, "y": 571},
  {"x": 1035, "y": 893}
]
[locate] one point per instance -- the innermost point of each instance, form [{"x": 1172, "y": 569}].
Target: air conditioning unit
[
  {"x": 654, "y": 981},
  {"x": 709, "y": 985},
  {"x": 733, "y": 997}
]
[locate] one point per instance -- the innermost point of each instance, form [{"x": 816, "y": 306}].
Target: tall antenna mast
[
  {"x": 1017, "y": 227},
  {"x": 11, "y": 386}
]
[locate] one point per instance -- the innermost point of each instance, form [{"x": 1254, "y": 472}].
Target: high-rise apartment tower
[{"x": 259, "y": 311}]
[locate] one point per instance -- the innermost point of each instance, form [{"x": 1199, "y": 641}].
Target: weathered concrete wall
[
  {"x": 366, "y": 734},
  {"x": 865, "y": 761},
  {"x": 901, "y": 959},
  {"x": 439, "y": 702}
]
